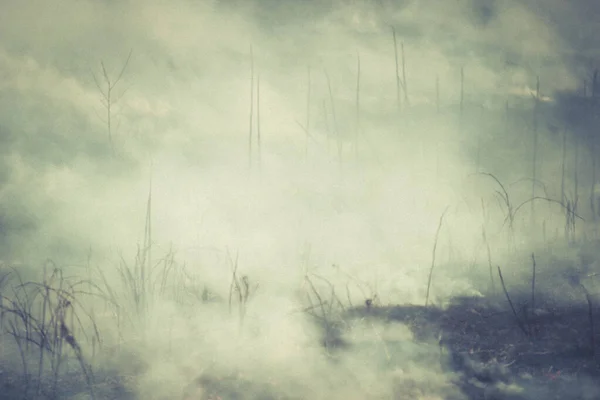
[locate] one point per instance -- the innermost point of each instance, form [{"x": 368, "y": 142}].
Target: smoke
[{"x": 363, "y": 145}]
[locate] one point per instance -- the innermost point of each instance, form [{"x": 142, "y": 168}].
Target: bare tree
[{"x": 109, "y": 100}]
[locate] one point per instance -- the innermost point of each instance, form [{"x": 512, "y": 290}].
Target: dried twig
[
  {"x": 512, "y": 307},
  {"x": 435, "y": 243}
]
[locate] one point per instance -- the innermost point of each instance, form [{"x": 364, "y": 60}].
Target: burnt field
[{"x": 299, "y": 200}]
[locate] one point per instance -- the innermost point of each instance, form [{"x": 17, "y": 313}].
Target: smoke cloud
[{"x": 246, "y": 187}]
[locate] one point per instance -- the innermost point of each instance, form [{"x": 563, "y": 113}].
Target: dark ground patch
[{"x": 555, "y": 358}]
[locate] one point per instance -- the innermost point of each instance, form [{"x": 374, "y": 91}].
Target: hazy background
[{"x": 358, "y": 201}]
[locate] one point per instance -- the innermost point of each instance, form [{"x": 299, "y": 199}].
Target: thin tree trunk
[
  {"x": 535, "y": 149},
  {"x": 251, "y": 108},
  {"x": 357, "y": 127},
  {"x": 398, "y": 100}
]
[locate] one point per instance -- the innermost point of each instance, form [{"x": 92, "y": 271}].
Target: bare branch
[{"x": 124, "y": 68}]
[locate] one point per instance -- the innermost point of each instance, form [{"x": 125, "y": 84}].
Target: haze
[{"x": 340, "y": 140}]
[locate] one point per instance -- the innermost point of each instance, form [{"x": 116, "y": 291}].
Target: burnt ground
[
  {"x": 551, "y": 353},
  {"x": 548, "y": 354}
]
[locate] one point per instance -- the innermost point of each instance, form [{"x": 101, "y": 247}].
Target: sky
[{"x": 348, "y": 180}]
